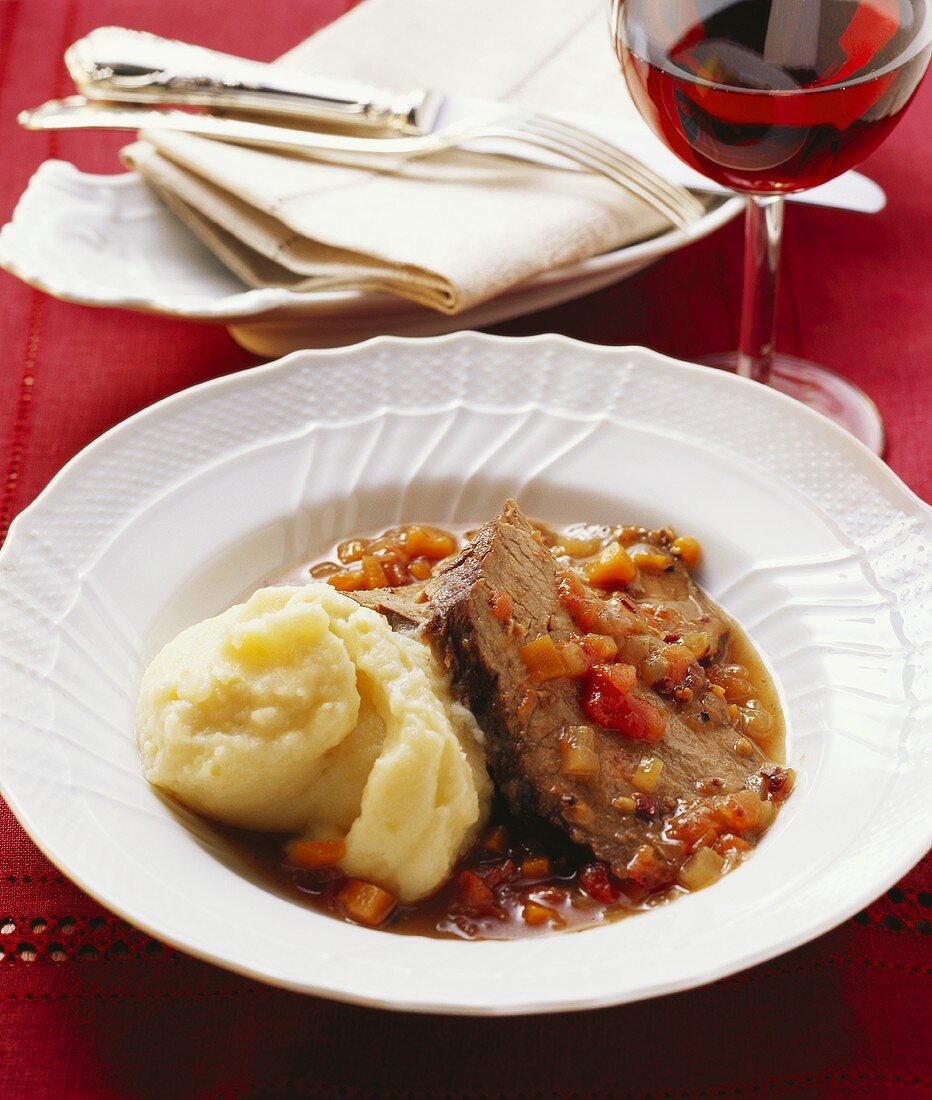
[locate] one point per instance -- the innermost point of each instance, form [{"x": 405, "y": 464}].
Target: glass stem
[{"x": 762, "y": 238}]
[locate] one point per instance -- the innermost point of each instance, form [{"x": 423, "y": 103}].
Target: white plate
[
  {"x": 108, "y": 241},
  {"x": 811, "y": 541}
]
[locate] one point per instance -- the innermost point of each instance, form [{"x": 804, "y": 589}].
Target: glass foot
[{"x": 822, "y": 390}]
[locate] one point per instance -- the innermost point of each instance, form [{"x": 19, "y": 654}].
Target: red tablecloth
[{"x": 90, "y": 1007}]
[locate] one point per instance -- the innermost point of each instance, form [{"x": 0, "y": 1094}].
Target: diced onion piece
[
  {"x": 578, "y": 755},
  {"x": 636, "y": 648},
  {"x": 542, "y": 659},
  {"x": 653, "y": 669},
  {"x": 652, "y": 561},
  {"x": 647, "y": 774},
  {"x": 535, "y": 914},
  {"x": 575, "y": 546},
  {"x": 698, "y": 643},
  {"x": 701, "y": 869},
  {"x": 578, "y": 813},
  {"x": 366, "y": 903},
  {"x": 625, "y": 804},
  {"x": 758, "y": 721},
  {"x": 688, "y": 551},
  {"x": 612, "y": 567},
  {"x": 730, "y": 843},
  {"x": 574, "y": 659},
  {"x": 536, "y": 867},
  {"x": 314, "y": 854}
]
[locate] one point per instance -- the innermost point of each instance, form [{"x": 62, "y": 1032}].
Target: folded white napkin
[{"x": 448, "y": 231}]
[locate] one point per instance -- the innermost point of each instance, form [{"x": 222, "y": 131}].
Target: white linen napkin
[{"x": 448, "y": 231}]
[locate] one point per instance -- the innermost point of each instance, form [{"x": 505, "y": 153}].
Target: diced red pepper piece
[
  {"x": 597, "y": 883},
  {"x": 608, "y": 702},
  {"x": 472, "y": 894}
]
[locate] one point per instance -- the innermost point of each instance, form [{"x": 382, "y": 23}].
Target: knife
[{"x": 115, "y": 64}]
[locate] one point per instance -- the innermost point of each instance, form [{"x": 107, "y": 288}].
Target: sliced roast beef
[
  {"x": 405, "y": 608},
  {"x": 501, "y": 592}
]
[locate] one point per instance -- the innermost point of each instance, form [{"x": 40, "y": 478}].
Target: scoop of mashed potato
[{"x": 300, "y": 711}]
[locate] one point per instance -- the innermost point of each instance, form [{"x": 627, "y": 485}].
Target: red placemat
[{"x": 91, "y": 1008}]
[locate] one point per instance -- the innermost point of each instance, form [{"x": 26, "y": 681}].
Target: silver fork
[{"x": 536, "y": 131}]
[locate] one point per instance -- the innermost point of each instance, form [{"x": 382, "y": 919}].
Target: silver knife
[{"x": 115, "y": 64}]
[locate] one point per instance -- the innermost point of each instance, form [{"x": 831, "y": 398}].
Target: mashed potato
[{"x": 300, "y": 711}]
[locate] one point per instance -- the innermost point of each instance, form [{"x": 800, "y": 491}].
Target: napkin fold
[{"x": 448, "y": 231}]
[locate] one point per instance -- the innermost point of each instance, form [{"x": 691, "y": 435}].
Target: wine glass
[{"x": 769, "y": 97}]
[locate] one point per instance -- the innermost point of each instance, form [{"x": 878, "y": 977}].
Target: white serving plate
[
  {"x": 809, "y": 540},
  {"x": 108, "y": 241}
]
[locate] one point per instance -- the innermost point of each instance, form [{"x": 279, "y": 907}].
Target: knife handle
[{"x": 114, "y": 63}]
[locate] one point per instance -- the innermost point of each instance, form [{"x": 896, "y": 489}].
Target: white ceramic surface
[
  {"x": 810, "y": 541},
  {"x": 108, "y": 241}
]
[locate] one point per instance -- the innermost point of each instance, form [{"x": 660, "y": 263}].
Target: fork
[{"x": 534, "y": 130}]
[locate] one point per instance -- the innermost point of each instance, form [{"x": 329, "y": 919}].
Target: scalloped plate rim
[{"x": 828, "y": 919}]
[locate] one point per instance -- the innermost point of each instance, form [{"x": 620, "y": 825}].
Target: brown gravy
[{"x": 520, "y": 878}]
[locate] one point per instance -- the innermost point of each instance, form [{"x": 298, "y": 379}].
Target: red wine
[{"x": 773, "y": 96}]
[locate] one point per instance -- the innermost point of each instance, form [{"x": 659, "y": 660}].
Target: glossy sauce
[{"x": 519, "y": 879}]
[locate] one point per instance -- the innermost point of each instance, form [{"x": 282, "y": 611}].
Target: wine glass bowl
[{"x": 769, "y": 97}]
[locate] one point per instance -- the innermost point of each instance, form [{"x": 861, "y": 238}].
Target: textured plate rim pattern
[{"x": 884, "y": 522}]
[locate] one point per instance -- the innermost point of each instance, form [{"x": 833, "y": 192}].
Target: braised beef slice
[
  {"x": 523, "y": 722},
  {"x": 405, "y": 607}
]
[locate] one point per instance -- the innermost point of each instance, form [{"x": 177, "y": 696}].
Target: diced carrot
[
  {"x": 688, "y": 550},
  {"x": 347, "y": 580},
  {"x": 313, "y": 854},
  {"x": 373, "y": 572},
  {"x": 647, "y": 869},
  {"x": 420, "y": 569},
  {"x": 535, "y": 867},
  {"x": 678, "y": 657},
  {"x": 730, "y": 843},
  {"x": 613, "y": 567},
  {"x": 600, "y": 647},
  {"x": 351, "y": 550},
  {"x": 428, "y": 542},
  {"x": 622, "y": 675},
  {"x": 535, "y": 914},
  {"x": 366, "y": 903},
  {"x": 652, "y": 561},
  {"x": 501, "y": 605},
  {"x": 542, "y": 659}
]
